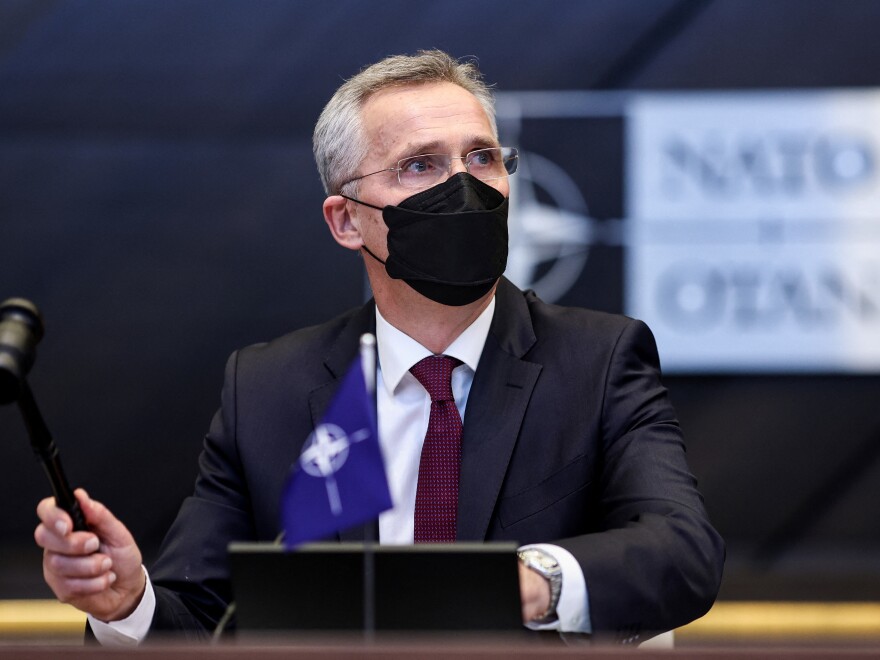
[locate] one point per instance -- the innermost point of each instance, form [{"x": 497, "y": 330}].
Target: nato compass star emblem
[
  {"x": 324, "y": 454},
  {"x": 550, "y": 236}
]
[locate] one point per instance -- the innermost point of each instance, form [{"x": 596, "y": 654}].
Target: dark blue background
[{"x": 159, "y": 202}]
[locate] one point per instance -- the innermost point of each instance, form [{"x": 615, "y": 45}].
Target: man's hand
[
  {"x": 534, "y": 592},
  {"x": 97, "y": 571}
]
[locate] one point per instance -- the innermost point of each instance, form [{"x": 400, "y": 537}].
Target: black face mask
[{"x": 448, "y": 242}]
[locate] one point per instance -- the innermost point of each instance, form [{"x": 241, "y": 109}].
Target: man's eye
[
  {"x": 482, "y": 158},
  {"x": 418, "y": 165}
]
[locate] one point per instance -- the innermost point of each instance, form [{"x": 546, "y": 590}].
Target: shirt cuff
[
  {"x": 131, "y": 630},
  {"x": 573, "y": 608}
]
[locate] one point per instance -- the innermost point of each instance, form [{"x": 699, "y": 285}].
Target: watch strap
[{"x": 545, "y": 565}]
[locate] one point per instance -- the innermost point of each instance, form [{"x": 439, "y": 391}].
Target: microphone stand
[{"x": 47, "y": 452}]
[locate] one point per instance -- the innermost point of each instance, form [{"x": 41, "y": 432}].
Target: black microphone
[{"x": 21, "y": 329}]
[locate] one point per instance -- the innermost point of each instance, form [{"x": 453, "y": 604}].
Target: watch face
[{"x": 540, "y": 560}]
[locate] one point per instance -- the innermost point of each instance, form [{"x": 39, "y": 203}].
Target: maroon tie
[{"x": 437, "y": 491}]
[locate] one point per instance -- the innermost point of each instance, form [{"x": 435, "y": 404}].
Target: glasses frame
[{"x": 512, "y": 155}]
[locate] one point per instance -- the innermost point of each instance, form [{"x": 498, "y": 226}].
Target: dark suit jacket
[{"x": 569, "y": 438}]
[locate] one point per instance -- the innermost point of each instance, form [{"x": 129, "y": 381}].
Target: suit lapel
[
  {"x": 497, "y": 403},
  {"x": 338, "y": 360}
]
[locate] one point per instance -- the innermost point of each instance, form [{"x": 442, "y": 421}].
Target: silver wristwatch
[{"x": 547, "y": 566}]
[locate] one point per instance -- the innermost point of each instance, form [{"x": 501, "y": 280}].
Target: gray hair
[{"x": 339, "y": 142}]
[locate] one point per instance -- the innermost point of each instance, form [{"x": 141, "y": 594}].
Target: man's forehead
[{"x": 403, "y": 117}]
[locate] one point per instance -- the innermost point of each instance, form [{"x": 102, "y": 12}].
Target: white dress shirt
[{"x": 403, "y": 408}]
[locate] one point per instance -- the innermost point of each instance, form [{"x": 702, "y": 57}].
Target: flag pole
[{"x": 368, "y": 366}]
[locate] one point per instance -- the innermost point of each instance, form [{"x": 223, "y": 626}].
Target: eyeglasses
[{"x": 427, "y": 170}]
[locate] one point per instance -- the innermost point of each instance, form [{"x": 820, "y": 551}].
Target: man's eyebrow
[
  {"x": 435, "y": 146},
  {"x": 417, "y": 148},
  {"x": 482, "y": 142}
]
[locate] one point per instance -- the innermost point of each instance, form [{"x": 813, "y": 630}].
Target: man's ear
[{"x": 339, "y": 220}]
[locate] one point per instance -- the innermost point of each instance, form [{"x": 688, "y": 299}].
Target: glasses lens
[
  {"x": 426, "y": 170},
  {"x": 510, "y": 156},
  {"x": 422, "y": 171},
  {"x": 495, "y": 163}
]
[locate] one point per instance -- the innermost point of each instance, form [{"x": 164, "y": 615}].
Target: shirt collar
[{"x": 398, "y": 351}]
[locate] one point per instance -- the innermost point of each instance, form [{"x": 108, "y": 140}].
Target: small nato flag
[{"x": 339, "y": 480}]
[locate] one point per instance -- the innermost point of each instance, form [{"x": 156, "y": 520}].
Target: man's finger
[
  {"x": 79, "y": 588},
  {"x": 102, "y": 522},
  {"x": 89, "y": 566},
  {"x": 76, "y": 543},
  {"x": 53, "y": 516}
]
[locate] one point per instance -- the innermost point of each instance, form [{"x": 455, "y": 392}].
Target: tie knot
[{"x": 435, "y": 375}]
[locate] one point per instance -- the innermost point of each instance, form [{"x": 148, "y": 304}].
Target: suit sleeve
[
  {"x": 191, "y": 576},
  {"x": 656, "y": 563}
]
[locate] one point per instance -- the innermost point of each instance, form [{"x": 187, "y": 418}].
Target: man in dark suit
[{"x": 569, "y": 444}]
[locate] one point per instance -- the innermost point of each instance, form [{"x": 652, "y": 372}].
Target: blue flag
[{"x": 339, "y": 479}]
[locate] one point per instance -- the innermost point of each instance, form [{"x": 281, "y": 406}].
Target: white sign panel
[{"x": 754, "y": 229}]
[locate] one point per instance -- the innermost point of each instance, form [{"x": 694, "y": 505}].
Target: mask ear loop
[
  {"x": 372, "y": 206},
  {"x": 358, "y": 201},
  {"x": 367, "y": 250}
]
